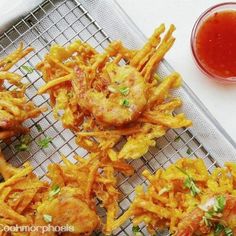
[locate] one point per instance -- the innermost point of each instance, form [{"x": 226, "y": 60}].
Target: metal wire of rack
[{"x": 62, "y": 22}]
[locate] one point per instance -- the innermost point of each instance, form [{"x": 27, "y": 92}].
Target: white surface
[
  {"x": 12, "y": 10},
  {"x": 147, "y": 14}
]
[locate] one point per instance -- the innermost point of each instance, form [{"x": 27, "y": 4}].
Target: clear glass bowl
[{"x": 205, "y": 15}]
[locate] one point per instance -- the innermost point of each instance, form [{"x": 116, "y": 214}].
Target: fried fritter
[
  {"x": 20, "y": 194},
  {"x": 186, "y": 199},
  {"x": 14, "y": 107},
  {"x": 102, "y": 100},
  {"x": 93, "y": 178}
]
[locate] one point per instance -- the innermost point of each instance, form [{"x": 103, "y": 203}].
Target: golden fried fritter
[
  {"x": 102, "y": 100},
  {"x": 14, "y": 107},
  {"x": 20, "y": 194},
  {"x": 186, "y": 199}
]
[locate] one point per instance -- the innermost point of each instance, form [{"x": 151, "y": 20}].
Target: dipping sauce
[{"x": 215, "y": 44}]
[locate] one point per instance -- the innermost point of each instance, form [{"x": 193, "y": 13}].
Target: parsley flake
[
  {"x": 189, "y": 151},
  {"x": 21, "y": 147},
  {"x": 189, "y": 183},
  {"x": 47, "y": 218},
  {"x": 177, "y": 139},
  {"x": 44, "y": 143},
  {"x": 28, "y": 69},
  {"x": 228, "y": 232},
  {"x": 218, "y": 207},
  {"x": 136, "y": 231},
  {"x": 125, "y": 103},
  {"x": 124, "y": 91},
  {"x": 207, "y": 217},
  {"x": 54, "y": 191},
  {"x": 38, "y": 127},
  {"x": 220, "y": 204},
  {"x": 219, "y": 229},
  {"x": 24, "y": 143}
]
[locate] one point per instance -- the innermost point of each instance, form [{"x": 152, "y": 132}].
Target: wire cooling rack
[{"x": 62, "y": 22}]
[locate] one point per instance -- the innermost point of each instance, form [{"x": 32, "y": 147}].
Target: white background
[{"x": 219, "y": 98}]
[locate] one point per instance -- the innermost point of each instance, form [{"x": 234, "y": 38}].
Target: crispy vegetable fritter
[
  {"x": 14, "y": 107},
  {"x": 102, "y": 100}
]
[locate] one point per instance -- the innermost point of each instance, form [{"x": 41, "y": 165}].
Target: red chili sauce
[{"x": 216, "y": 44}]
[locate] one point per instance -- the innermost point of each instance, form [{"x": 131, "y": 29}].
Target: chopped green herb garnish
[
  {"x": 21, "y": 147},
  {"x": 219, "y": 229},
  {"x": 217, "y": 208},
  {"x": 228, "y": 232},
  {"x": 24, "y": 143},
  {"x": 207, "y": 217},
  {"x": 136, "y": 231},
  {"x": 55, "y": 190},
  {"x": 38, "y": 127},
  {"x": 44, "y": 143},
  {"x": 189, "y": 183},
  {"x": 220, "y": 204},
  {"x": 47, "y": 218},
  {"x": 28, "y": 69},
  {"x": 125, "y": 103},
  {"x": 124, "y": 90},
  {"x": 177, "y": 139},
  {"x": 189, "y": 151}
]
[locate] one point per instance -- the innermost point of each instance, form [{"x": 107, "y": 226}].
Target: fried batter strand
[
  {"x": 96, "y": 96},
  {"x": 14, "y": 107}
]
